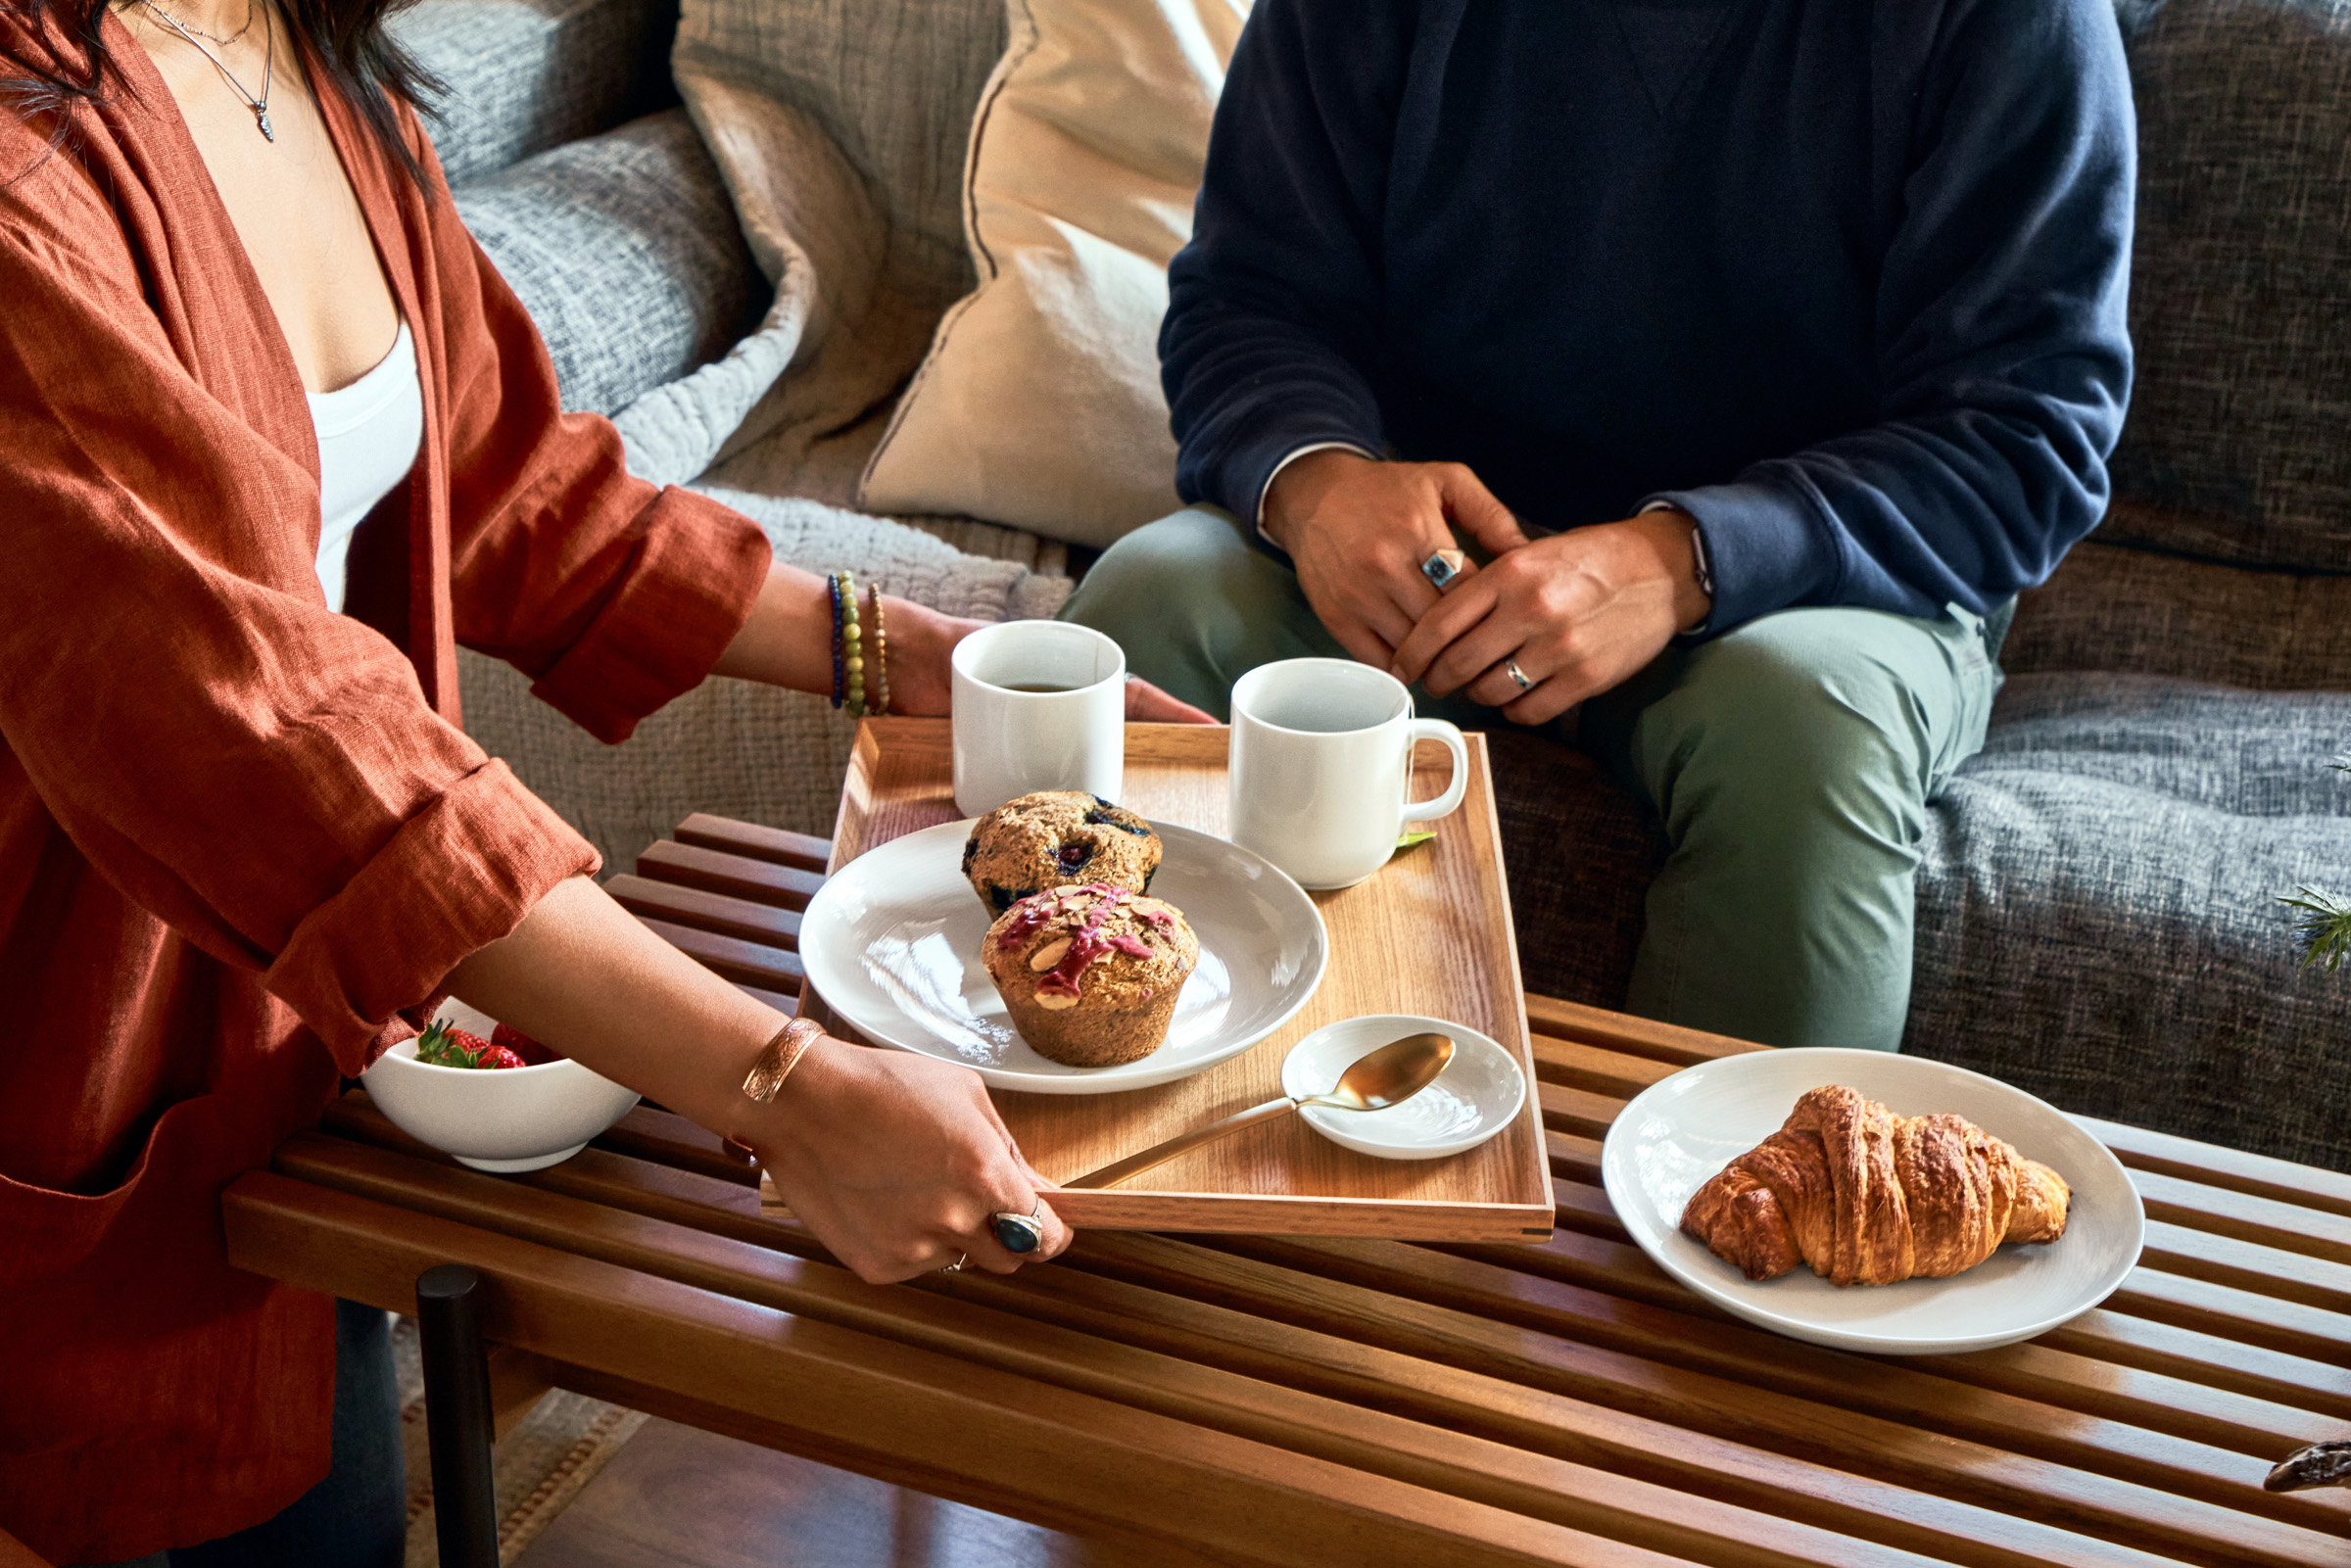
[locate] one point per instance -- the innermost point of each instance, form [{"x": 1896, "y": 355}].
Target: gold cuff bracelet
[{"x": 783, "y": 1054}]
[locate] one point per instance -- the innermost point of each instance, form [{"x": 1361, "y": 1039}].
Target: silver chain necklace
[
  {"x": 259, "y": 106},
  {"x": 250, "y": 8}
]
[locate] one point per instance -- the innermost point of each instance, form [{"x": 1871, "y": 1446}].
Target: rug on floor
[{"x": 539, "y": 1466}]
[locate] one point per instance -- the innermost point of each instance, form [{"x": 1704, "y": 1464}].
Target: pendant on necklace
[{"x": 261, "y": 117}]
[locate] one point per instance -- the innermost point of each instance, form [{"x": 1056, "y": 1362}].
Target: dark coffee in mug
[{"x": 1034, "y": 685}]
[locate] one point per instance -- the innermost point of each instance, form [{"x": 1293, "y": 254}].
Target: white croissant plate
[
  {"x": 1677, "y": 1134},
  {"x": 891, "y": 942}
]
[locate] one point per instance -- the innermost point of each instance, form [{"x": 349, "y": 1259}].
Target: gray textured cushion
[
  {"x": 893, "y": 82},
  {"x": 2099, "y": 916},
  {"x": 625, "y": 250},
  {"x": 2239, "y": 432},
  {"x": 2097, "y": 907},
  {"x": 2136, "y": 611},
  {"x": 524, "y": 75}
]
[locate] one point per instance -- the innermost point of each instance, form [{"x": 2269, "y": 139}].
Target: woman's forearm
[
  {"x": 788, "y": 641},
  {"x": 582, "y": 975}
]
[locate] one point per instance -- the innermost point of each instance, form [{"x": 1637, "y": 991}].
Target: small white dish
[
  {"x": 1477, "y": 1095},
  {"x": 502, "y": 1118},
  {"x": 891, "y": 942},
  {"x": 1681, "y": 1132}
]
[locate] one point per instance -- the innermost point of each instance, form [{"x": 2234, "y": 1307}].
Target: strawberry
[
  {"x": 444, "y": 1045},
  {"x": 532, "y": 1053}
]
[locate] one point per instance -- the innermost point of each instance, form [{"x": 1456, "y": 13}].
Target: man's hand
[
  {"x": 1578, "y": 612},
  {"x": 1358, "y": 530}
]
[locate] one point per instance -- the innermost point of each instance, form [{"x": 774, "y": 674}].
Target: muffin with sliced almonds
[
  {"x": 1090, "y": 973},
  {"x": 1053, "y": 839}
]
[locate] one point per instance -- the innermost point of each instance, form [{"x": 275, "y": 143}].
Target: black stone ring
[{"x": 1021, "y": 1233}]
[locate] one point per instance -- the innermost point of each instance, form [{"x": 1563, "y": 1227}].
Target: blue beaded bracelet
[{"x": 839, "y": 668}]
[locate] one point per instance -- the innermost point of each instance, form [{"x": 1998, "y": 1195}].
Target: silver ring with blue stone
[
  {"x": 1021, "y": 1233},
  {"x": 1443, "y": 567}
]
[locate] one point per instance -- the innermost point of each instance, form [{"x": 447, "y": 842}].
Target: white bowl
[
  {"x": 1475, "y": 1097},
  {"x": 507, "y": 1118}
]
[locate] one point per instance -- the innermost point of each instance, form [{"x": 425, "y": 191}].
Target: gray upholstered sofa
[{"x": 2097, "y": 902}]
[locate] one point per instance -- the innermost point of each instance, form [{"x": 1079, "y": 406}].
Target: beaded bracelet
[
  {"x": 833, "y": 585},
  {"x": 881, "y": 660},
  {"x": 853, "y": 658}
]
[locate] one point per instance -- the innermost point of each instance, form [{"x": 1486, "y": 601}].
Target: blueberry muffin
[
  {"x": 1053, "y": 839},
  {"x": 1090, "y": 973}
]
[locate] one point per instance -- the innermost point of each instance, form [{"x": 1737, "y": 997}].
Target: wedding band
[
  {"x": 1511, "y": 668},
  {"x": 1443, "y": 567},
  {"x": 1021, "y": 1233},
  {"x": 956, "y": 1268}
]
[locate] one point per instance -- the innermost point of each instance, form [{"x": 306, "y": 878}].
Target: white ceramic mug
[
  {"x": 1321, "y": 758},
  {"x": 1009, "y": 742}
]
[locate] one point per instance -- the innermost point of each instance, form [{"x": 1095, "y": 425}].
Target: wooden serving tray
[{"x": 1429, "y": 935}]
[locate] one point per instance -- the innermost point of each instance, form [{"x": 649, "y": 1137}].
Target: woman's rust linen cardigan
[{"x": 242, "y": 838}]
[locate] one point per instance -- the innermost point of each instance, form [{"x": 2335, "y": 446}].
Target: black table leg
[{"x": 457, "y": 1414}]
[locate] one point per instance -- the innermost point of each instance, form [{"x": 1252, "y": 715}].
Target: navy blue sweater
[{"x": 1843, "y": 279}]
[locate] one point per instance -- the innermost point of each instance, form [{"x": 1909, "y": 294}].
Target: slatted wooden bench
[{"x": 1326, "y": 1402}]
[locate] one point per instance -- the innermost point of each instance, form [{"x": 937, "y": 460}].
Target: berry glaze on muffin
[
  {"x": 1090, "y": 973},
  {"x": 1051, "y": 840}
]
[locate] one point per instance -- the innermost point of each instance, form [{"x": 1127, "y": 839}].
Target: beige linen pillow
[{"x": 1040, "y": 404}]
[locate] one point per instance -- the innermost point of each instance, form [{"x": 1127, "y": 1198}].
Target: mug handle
[{"x": 1450, "y": 801}]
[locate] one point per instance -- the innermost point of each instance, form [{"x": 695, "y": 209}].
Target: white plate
[
  {"x": 892, "y": 943},
  {"x": 1681, "y": 1132},
  {"x": 1476, "y": 1096}
]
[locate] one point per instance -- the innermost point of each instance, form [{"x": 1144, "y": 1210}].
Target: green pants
[{"x": 1791, "y": 762}]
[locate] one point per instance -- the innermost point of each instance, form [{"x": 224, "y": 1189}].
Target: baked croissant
[{"x": 1869, "y": 1197}]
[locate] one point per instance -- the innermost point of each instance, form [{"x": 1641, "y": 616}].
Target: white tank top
[{"x": 369, "y": 436}]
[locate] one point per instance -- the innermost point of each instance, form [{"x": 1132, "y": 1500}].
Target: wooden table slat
[
  {"x": 769, "y": 968},
  {"x": 735, "y": 875},
  {"x": 802, "y": 851},
  {"x": 1576, "y": 1065},
  {"x": 2231, "y": 1314},
  {"x": 2271, "y": 1376},
  {"x": 702, "y": 910},
  {"x": 2270, "y": 1222},
  {"x": 2302, "y": 1186},
  {"x": 1616, "y": 1031}
]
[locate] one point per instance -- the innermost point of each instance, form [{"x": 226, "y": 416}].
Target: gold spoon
[{"x": 1394, "y": 1072}]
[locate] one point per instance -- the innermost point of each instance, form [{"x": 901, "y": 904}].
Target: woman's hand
[
  {"x": 920, "y": 671},
  {"x": 1578, "y": 612},
  {"x": 898, "y": 1161},
  {"x": 1149, "y": 704}
]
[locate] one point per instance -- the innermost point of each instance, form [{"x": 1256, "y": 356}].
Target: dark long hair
[{"x": 347, "y": 37}]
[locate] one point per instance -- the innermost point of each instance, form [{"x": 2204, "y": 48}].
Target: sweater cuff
[
  {"x": 456, "y": 877},
  {"x": 1766, "y": 547},
  {"x": 697, "y": 573}
]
